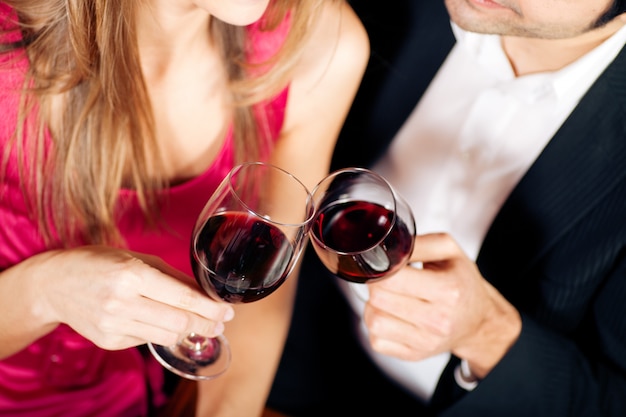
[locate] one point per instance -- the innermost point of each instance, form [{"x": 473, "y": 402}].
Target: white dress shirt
[{"x": 471, "y": 138}]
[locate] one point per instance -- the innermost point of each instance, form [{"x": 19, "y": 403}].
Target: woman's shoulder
[
  {"x": 337, "y": 33},
  {"x": 332, "y": 62},
  {"x": 337, "y": 48},
  {"x": 338, "y": 36}
]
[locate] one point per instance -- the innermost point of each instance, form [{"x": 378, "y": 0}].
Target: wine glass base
[{"x": 176, "y": 360}]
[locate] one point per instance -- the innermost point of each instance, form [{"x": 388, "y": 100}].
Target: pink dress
[{"x": 63, "y": 374}]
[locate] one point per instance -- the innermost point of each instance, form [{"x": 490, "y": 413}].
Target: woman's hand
[
  {"x": 118, "y": 299},
  {"x": 446, "y": 306}
]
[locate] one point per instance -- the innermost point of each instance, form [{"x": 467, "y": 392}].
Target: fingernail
[
  {"x": 219, "y": 328},
  {"x": 229, "y": 315}
]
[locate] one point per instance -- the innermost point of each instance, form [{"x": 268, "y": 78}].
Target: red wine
[
  {"x": 240, "y": 258},
  {"x": 349, "y": 228}
]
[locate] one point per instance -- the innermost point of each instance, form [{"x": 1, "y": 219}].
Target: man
[{"x": 506, "y": 132}]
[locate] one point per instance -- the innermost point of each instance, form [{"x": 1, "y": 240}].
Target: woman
[{"x": 118, "y": 119}]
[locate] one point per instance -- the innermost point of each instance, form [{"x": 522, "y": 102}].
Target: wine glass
[
  {"x": 245, "y": 244},
  {"x": 363, "y": 230}
]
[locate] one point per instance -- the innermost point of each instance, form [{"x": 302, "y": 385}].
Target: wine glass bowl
[
  {"x": 240, "y": 259},
  {"x": 245, "y": 243},
  {"x": 363, "y": 230}
]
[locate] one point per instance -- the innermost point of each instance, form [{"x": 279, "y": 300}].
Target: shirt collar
[{"x": 575, "y": 78}]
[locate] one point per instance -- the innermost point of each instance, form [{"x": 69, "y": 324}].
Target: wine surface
[
  {"x": 240, "y": 258},
  {"x": 353, "y": 240}
]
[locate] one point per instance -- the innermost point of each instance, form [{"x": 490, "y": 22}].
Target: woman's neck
[{"x": 168, "y": 33}]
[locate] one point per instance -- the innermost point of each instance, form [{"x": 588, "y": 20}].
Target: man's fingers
[{"x": 434, "y": 247}]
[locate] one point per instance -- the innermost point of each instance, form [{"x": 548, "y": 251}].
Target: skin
[
  {"x": 537, "y": 35},
  {"x": 120, "y": 299},
  {"x": 448, "y": 306}
]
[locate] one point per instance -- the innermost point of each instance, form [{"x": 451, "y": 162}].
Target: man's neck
[{"x": 533, "y": 55}]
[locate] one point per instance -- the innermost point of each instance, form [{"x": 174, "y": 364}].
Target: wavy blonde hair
[{"x": 84, "y": 66}]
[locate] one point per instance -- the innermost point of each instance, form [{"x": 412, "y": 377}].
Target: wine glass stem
[{"x": 201, "y": 349}]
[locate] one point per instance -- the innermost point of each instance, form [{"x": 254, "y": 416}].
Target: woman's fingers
[{"x": 119, "y": 299}]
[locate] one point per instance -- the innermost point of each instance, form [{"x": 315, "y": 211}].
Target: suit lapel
[{"x": 581, "y": 163}]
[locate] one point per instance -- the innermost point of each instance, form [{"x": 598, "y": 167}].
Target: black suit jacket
[{"x": 557, "y": 248}]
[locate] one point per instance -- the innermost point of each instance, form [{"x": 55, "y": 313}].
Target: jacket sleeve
[{"x": 549, "y": 374}]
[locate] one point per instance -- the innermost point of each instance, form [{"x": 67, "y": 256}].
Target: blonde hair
[{"x": 84, "y": 65}]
